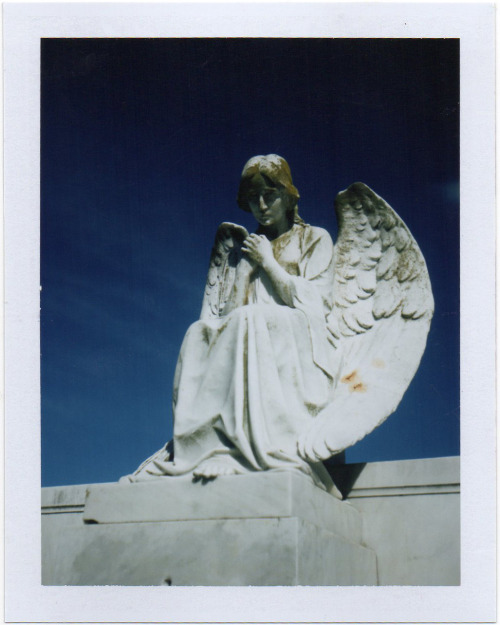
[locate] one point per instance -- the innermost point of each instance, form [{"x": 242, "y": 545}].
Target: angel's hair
[{"x": 276, "y": 171}]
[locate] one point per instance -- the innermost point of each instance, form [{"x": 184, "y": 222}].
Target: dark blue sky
[{"x": 143, "y": 142}]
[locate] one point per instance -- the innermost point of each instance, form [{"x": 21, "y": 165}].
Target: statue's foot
[{"x": 213, "y": 467}]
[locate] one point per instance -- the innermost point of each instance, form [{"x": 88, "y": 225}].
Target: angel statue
[{"x": 303, "y": 347}]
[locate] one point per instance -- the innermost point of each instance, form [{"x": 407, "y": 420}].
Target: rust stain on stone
[
  {"x": 378, "y": 363},
  {"x": 350, "y": 377},
  {"x": 354, "y": 382},
  {"x": 358, "y": 388}
]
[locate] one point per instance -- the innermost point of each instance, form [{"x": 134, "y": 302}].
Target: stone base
[
  {"x": 261, "y": 529},
  {"x": 232, "y": 552}
]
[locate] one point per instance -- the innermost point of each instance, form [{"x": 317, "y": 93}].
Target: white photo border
[{"x": 26, "y": 598}]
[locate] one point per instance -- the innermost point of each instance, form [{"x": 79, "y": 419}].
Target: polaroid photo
[{"x": 249, "y": 286}]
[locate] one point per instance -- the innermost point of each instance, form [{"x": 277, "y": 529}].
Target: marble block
[
  {"x": 223, "y": 552},
  {"x": 273, "y": 528},
  {"x": 410, "y": 511},
  {"x": 279, "y": 494}
]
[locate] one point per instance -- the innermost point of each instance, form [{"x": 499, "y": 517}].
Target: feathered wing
[
  {"x": 379, "y": 323},
  {"x": 226, "y": 253}
]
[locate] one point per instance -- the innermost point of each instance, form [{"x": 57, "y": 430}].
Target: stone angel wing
[
  {"x": 383, "y": 307},
  {"x": 224, "y": 258}
]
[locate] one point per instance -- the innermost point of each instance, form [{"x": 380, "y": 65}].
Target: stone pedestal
[
  {"x": 242, "y": 530},
  {"x": 273, "y": 528}
]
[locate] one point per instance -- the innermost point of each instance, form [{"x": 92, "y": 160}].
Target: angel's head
[{"x": 272, "y": 173}]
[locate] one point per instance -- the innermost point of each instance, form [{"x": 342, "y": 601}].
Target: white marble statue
[{"x": 302, "y": 347}]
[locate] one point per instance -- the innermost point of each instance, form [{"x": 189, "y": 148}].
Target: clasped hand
[{"x": 258, "y": 249}]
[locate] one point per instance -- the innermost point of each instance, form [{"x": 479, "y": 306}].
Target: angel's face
[{"x": 267, "y": 204}]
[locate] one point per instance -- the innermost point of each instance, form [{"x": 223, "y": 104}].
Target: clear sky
[{"x": 142, "y": 146}]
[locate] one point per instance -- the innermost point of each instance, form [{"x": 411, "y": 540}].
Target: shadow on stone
[{"x": 343, "y": 475}]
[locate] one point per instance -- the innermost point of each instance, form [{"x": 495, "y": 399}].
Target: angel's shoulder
[{"x": 315, "y": 234}]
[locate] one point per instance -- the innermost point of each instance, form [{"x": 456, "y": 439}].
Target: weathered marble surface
[
  {"x": 230, "y": 552},
  {"x": 412, "y": 477},
  {"x": 410, "y": 519},
  {"x": 280, "y": 494},
  {"x": 266, "y": 528}
]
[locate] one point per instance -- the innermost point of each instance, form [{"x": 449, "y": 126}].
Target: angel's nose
[{"x": 262, "y": 202}]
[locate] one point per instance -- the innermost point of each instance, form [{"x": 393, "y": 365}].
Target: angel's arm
[
  {"x": 258, "y": 251},
  {"x": 315, "y": 266}
]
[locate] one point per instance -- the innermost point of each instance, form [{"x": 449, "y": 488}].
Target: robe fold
[{"x": 249, "y": 382}]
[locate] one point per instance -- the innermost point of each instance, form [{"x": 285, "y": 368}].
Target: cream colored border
[{"x": 26, "y": 599}]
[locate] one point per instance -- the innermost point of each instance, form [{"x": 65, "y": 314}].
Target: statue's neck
[{"x": 273, "y": 232}]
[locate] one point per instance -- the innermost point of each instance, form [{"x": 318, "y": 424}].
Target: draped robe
[{"x": 247, "y": 383}]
